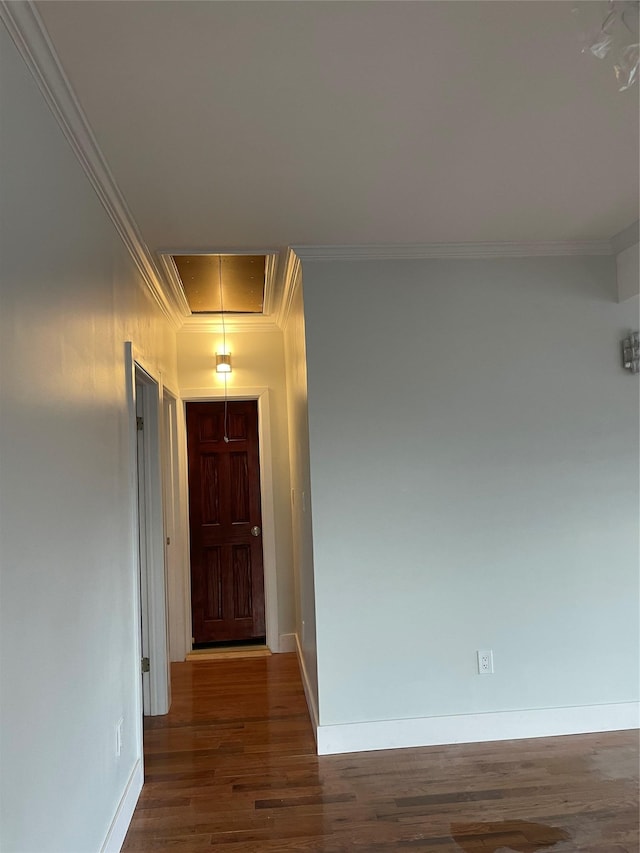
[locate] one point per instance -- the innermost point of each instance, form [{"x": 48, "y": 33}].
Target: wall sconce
[
  {"x": 223, "y": 362},
  {"x": 631, "y": 352}
]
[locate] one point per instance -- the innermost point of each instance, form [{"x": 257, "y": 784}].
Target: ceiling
[{"x": 257, "y": 125}]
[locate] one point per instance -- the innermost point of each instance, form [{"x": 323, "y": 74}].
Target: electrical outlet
[
  {"x": 485, "y": 662},
  {"x": 119, "y": 725}
]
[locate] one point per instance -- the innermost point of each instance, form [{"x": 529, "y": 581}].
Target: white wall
[
  {"x": 296, "y": 364},
  {"x": 474, "y": 459},
  {"x": 628, "y": 267},
  {"x": 258, "y": 362},
  {"x": 70, "y": 299}
]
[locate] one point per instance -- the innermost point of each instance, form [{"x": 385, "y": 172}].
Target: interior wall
[
  {"x": 628, "y": 267},
  {"x": 474, "y": 459},
  {"x": 258, "y": 362},
  {"x": 70, "y": 298},
  {"x": 296, "y": 366}
]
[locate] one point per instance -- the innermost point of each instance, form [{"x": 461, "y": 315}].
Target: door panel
[{"x": 227, "y": 580}]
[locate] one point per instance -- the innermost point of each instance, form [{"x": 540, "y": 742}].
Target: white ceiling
[{"x": 266, "y": 124}]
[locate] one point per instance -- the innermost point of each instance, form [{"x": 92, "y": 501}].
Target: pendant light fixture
[{"x": 223, "y": 359}]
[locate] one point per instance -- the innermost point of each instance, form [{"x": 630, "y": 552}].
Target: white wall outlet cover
[{"x": 485, "y": 662}]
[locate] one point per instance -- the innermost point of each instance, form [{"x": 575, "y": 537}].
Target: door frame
[
  {"x": 174, "y": 514},
  {"x": 213, "y": 395},
  {"x": 148, "y": 527}
]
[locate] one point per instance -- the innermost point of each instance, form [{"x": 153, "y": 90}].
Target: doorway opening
[
  {"x": 144, "y": 398},
  {"x": 225, "y": 524},
  {"x": 239, "y": 596}
]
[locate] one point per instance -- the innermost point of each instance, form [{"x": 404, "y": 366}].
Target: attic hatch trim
[{"x": 211, "y": 321}]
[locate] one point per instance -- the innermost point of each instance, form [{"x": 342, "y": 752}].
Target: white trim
[
  {"x": 143, "y": 527},
  {"x": 270, "y": 270},
  {"x": 174, "y": 530},
  {"x": 170, "y": 390},
  {"x": 159, "y": 698},
  {"x": 422, "y": 251},
  {"x": 250, "y": 392},
  {"x": 183, "y": 524},
  {"x": 287, "y": 644},
  {"x": 126, "y": 807},
  {"x": 308, "y": 692},
  {"x": 155, "y": 565},
  {"x": 219, "y": 250},
  {"x": 232, "y": 324},
  {"x": 266, "y": 496},
  {"x": 268, "y": 522},
  {"x": 172, "y": 281},
  {"x": 138, "y": 704},
  {"x": 292, "y": 279},
  {"x": 32, "y": 40},
  {"x": 209, "y": 323},
  {"x": 472, "y": 728}
]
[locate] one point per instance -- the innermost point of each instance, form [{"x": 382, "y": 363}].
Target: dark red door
[{"x": 227, "y": 579}]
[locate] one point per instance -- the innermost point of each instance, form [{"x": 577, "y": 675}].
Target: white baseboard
[
  {"x": 470, "y": 728},
  {"x": 120, "y": 823},
  {"x": 311, "y": 702},
  {"x": 287, "y": 643}
]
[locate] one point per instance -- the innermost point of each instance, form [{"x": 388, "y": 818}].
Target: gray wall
[
  {"x": 474, "y": 461},
  {"x": 70, "y": 298}
]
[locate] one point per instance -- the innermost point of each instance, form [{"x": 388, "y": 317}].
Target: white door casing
[
  {"x": 266, "y": 497},
  {"x": 144, "y": 398}
]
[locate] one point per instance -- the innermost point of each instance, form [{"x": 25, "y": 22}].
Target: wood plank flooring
[{"x": 232, "y": 769}]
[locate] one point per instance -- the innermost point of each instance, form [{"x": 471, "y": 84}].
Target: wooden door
[{"x": 227, "y": 579}]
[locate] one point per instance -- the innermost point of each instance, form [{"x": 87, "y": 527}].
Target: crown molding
[
  {"x": 32, "y": 41},
  {"x": 233, "y": 324},
  {"x": 173, "y": 283},
  {"x": 270, "y": 269},
  {"x": 425, "y": 251},
  {"x": 292, "y": 278}
]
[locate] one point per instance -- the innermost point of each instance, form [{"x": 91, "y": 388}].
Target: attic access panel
[{"x": 242, "y": 278}]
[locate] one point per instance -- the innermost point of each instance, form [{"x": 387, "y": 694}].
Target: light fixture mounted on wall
[
  {"x": 631, "y": 352},
  {"x": 223, "y": 362}
]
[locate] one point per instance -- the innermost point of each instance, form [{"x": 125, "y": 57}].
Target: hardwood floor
[{"x": 232, "y": 769}]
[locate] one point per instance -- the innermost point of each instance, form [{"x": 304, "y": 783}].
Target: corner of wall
[
  {"x": 124, "y": 812},
  {"x": 308, "y": 691},
  {"x": 628, "y": 272},
  {"x": 286, "y": 644}
]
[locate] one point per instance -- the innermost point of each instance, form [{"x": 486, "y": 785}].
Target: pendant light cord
[{"x": 224, "y": 350}]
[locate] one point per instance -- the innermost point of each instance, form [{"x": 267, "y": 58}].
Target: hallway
[{"x": 233, "y": 767}]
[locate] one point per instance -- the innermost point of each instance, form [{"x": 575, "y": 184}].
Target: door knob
[{"x": 255, "y": 531}]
